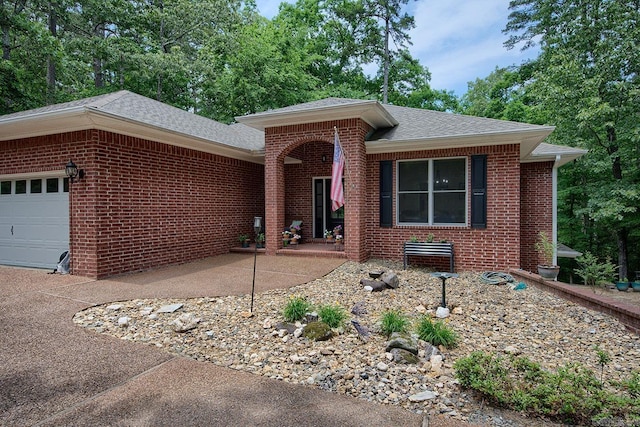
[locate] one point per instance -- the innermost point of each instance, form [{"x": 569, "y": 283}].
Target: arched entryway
[{"x": 298, "y": 161}]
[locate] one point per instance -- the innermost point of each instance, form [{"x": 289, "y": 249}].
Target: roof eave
[
  {"x": 372, "y": 112},
  {"x": 527, "y": 139},
  {"x": 83, "y": 118},
  {"x": 560, "y": 158}
]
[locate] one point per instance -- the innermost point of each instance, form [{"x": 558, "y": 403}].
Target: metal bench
[{"x": 428, "y": 249}]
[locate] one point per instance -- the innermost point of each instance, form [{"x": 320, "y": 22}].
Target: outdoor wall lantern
[
  {"x": 257, "y": 227},
  {"x": 72, "y": 171}
]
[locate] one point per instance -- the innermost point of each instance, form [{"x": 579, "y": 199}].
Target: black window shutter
[
  {"x": 479, "y": 191},
  {"x": 386, "y": 193}
]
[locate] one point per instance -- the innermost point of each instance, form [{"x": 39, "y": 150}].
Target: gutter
[{"x": 554, "y": 207}]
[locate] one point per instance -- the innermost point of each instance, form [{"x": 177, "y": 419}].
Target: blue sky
[{"x": 458, "y": 41}]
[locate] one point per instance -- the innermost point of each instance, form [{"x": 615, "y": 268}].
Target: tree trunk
[
  {"x": 98, "y": 73},
  {"x": 622, "y": 236},
  {"x": 385, "y": 83},
  {"x": 51, "y": 64},
  {"x": 616, "y": 169}
]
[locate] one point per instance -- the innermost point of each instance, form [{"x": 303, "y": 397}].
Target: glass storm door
[{"x": 323, "y": 218}]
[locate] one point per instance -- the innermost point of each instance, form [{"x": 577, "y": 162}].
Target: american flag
[{"x": 337, "y": 191}]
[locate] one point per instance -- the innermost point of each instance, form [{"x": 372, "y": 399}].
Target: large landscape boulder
[{"x": 404, "y": 341}]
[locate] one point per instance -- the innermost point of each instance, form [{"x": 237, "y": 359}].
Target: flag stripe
[{"x": 337, "y": 190}]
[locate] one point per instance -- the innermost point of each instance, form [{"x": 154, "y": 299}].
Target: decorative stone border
[{"x": 628, "y": 314}]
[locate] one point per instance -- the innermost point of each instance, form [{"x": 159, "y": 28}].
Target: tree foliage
[{"x": 587, "y": 76}]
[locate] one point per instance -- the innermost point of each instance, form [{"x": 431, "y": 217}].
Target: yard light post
[{"x": 257, "y": 226}]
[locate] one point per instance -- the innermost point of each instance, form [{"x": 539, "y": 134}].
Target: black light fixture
[
  {"x": 257, "y": 227},
  {"x": 72, "y": 171}
]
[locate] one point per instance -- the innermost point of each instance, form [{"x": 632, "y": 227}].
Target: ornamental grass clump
[
  {"x": 333, "y": 315},
  {"x": 437, "y": 333},
  {"x": 296, "y": 309},
  {"x": 393, "y": 321}
]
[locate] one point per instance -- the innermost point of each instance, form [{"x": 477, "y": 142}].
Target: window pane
[
  {"x": 449, "y": 174},
  {"x": 36, "y": 186},
  {"x": 52, "y": 185},
  {"x": 21, "y": 186},
  {"x": 413, "y": 208},
  {"x": 65, "y": 185},
  {"x": 413, "y": 176},
  {"x": 449, "y": 208},
  {"x": 5, "y": 187}
]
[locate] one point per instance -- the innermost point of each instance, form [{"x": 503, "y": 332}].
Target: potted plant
[
  {"x": 623, "y": 285},
  {"x": 286, "y": 237},
  {"x": 636, "y": 285},
  {"x": 294, "y": 229},
  {"x": 546, "y": 249},
  {"x": 244, "y": 240},
  {"x": 260, "y": 240},
  {"x": 328, "y": 235}
]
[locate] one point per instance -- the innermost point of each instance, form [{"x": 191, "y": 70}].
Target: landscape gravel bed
[{"x": 494, "y": 318}]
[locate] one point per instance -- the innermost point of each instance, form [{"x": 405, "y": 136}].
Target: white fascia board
[
  {"x": 372, "y": 112},
  {"x": 81, "y": 118},
  {"x": 560, "y": 158},
  {"x": 528, "y": 140}
]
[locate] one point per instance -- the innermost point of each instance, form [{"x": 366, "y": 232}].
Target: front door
[{"x": 323, "y": 217}]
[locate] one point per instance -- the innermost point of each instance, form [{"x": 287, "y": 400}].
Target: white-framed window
[{"x": 432, "y": 191}]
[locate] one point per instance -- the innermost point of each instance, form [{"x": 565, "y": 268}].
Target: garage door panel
[{"x": 34, "y": 228}]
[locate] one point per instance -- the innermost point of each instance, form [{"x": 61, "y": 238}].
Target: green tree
[{"x": 588, "y": 77}]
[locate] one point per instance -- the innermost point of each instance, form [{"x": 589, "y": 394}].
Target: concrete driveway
[{"x": 53, "y": 373}]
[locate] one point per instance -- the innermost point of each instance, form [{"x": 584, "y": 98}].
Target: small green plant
[
  {"x": 429, "y": 238},
  {"x": 603, "y": 359},
  {"x": 437, "y": 333},
  {"x": 413, "y": 239},
  {"x": 545, "y": 247},
  {"x": 593, "y": 271},
  {"x": 260, "y": 238},
  {"x": 332, "y": 315},
  {"x": 296, "y": 309},
  {"x": 393, "y": 321},
  {"x": 243, "y": 238}
]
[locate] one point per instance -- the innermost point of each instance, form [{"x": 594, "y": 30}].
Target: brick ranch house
[{"x": 163, "y": 186}]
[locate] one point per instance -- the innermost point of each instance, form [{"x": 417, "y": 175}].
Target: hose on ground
[{"x": 496, "y": 278}]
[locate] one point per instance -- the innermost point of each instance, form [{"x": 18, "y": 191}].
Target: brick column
[
  {"x": 352, "y": 140},
  {"x": 274, "y": 182}
]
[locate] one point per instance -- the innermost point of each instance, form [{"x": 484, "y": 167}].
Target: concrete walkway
[{"x": 53, "y": 373}]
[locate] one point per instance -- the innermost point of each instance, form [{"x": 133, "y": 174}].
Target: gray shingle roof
[
  {"x": 415, "y": 123},
  {"x": 314, "y": 105},
  {"x": 136, "y": 108}
]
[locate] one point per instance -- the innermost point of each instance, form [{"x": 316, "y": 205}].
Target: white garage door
[{"x": 34, "y": 221}]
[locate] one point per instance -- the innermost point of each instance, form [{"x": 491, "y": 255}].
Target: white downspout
[{"x": 554, "y": 208}]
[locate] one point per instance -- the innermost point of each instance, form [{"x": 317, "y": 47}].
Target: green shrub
[
  {"x": 393, "y": 321},
  {"x": 572, "y": 394},
  {"x": 437, "y": 333},
  {"x": 594, "y": 271},
  {"x": 332, "y": 315},
  {"x": 296, "y": 309}
]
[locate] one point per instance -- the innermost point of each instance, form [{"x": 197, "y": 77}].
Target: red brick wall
[
  {"x": 285, "y": 184},
  {"x": 495, "y": 248},
  {"x": 536, "y": 198},
  {"x": 144, "y": 204}
]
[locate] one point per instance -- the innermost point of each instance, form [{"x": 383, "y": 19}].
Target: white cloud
[
  {"x": 461, "y": 41},
  {"x": 458, "y": 41}
]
